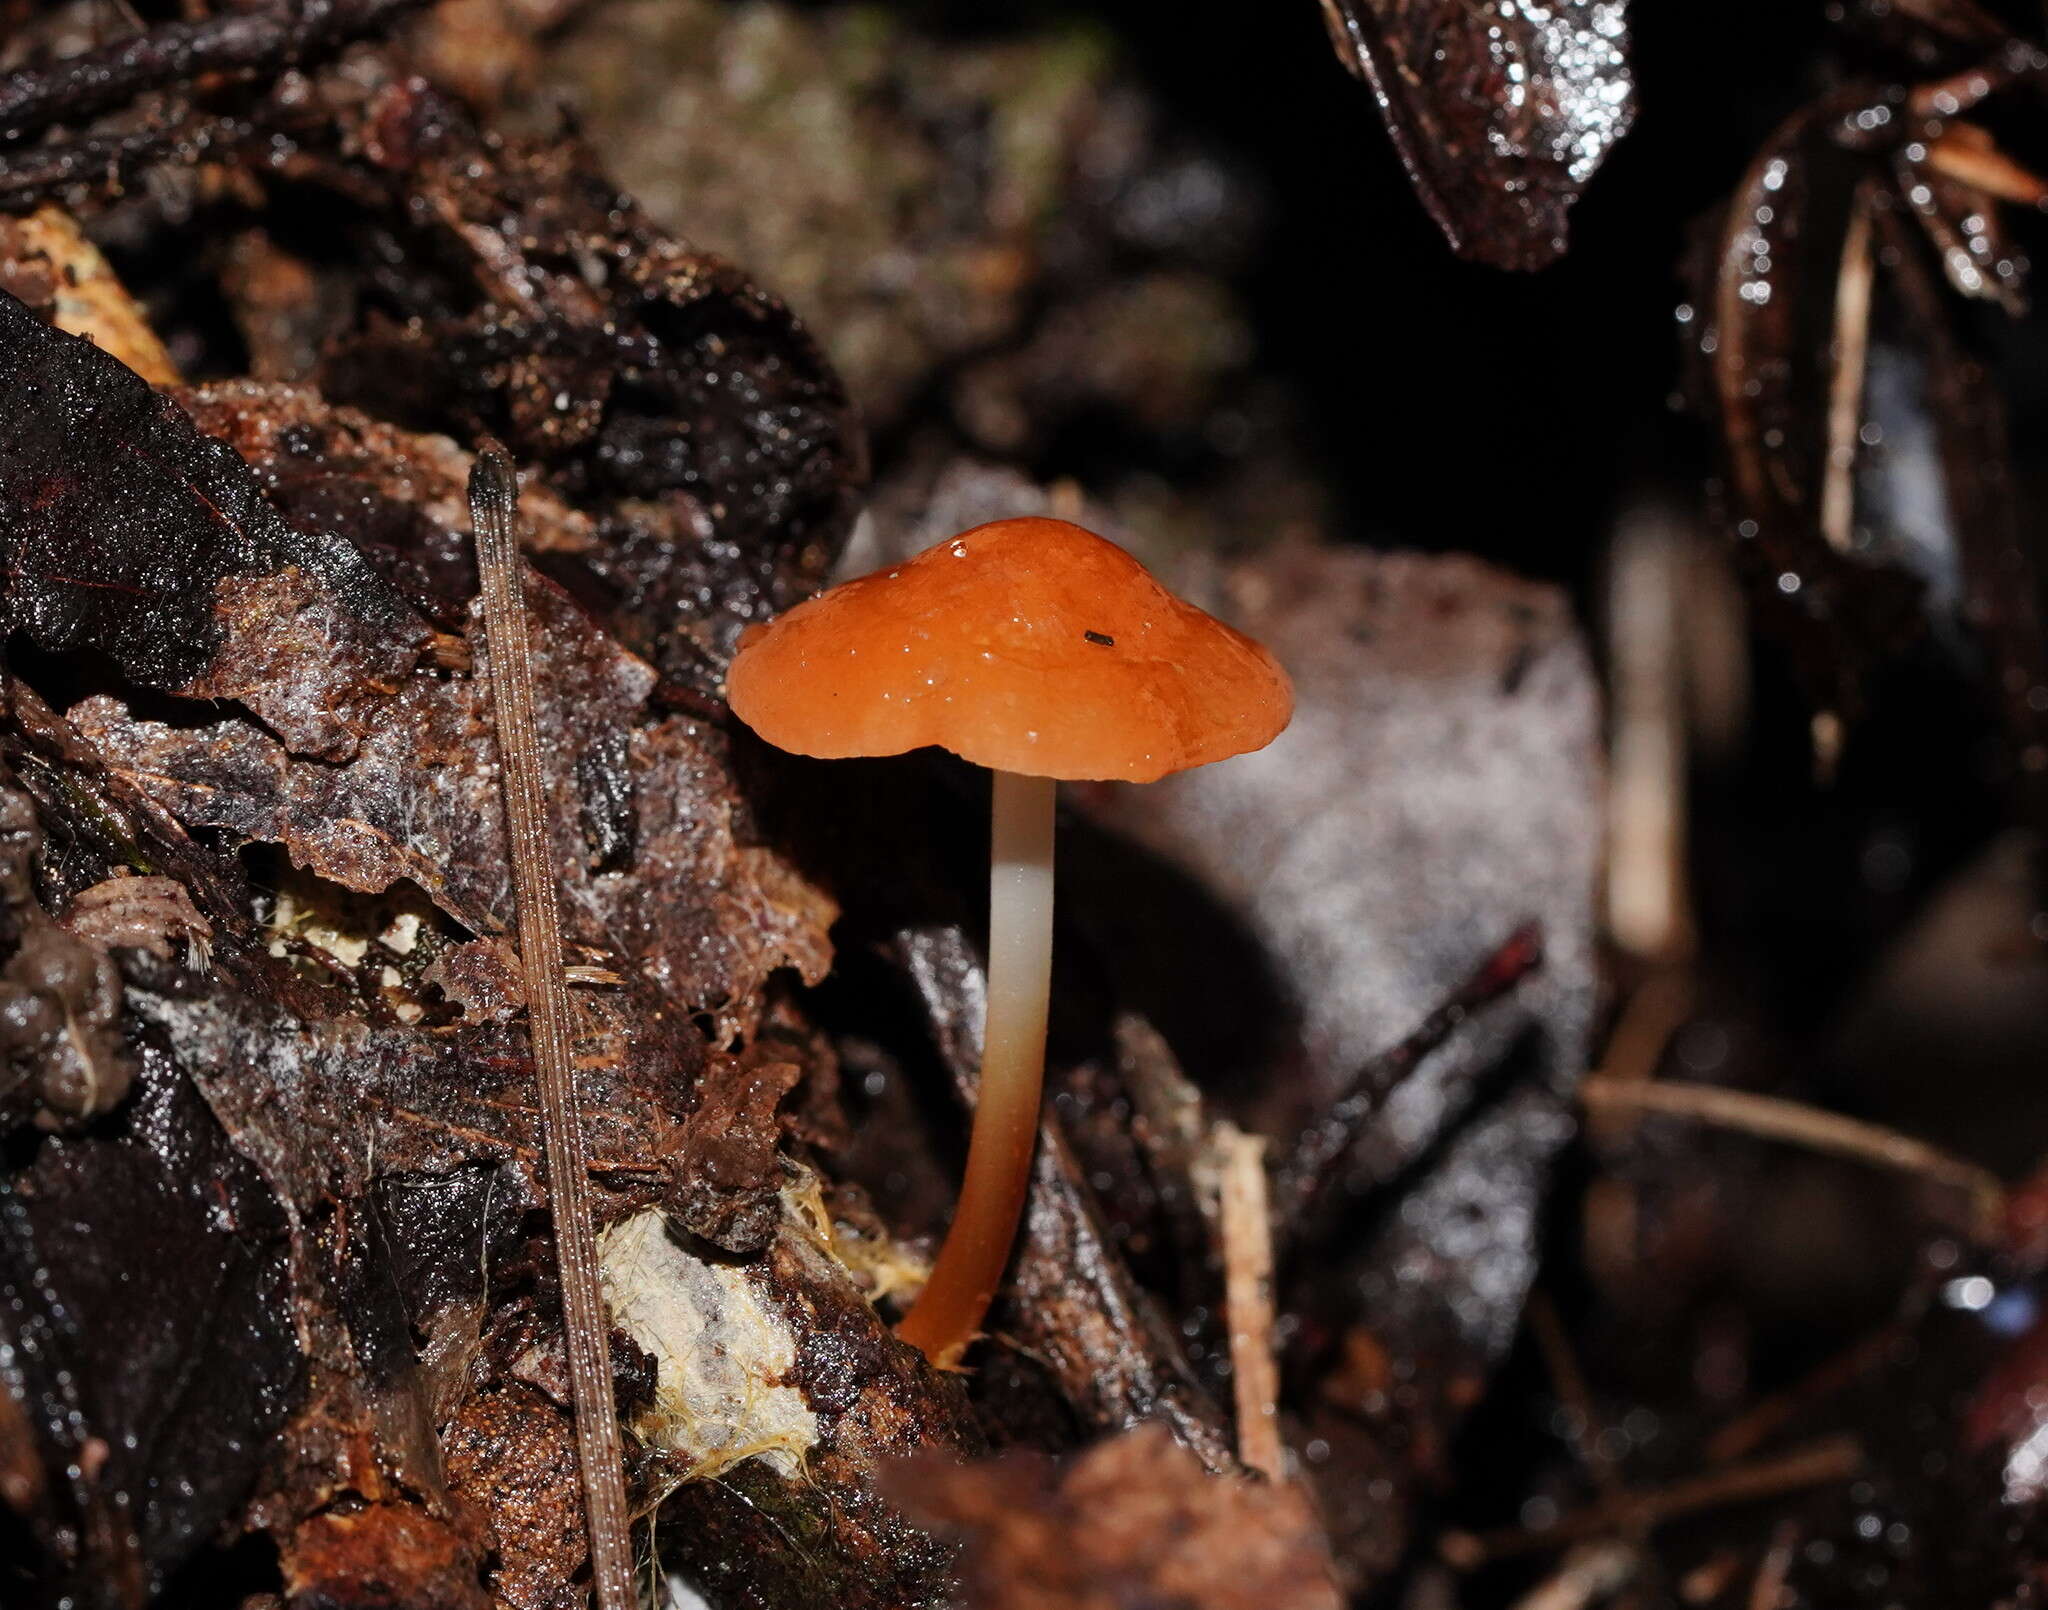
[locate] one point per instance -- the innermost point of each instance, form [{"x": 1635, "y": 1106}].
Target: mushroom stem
[{"x": 947, "y": 1315}]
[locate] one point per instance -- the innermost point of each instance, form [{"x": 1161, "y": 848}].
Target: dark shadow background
[{"x": 1454, "y": 405}]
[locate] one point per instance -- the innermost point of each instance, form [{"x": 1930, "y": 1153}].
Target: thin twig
[
  {"x": 1778, "y": 1119},
  {"x": 287, "y": 33},
  {"x": 1970, "y": 88},
  {"x": 1649, "y": 907},
  {"x": 1768, "y": 1590},
  {"x": 1590, "y": 1572},
  {"x": 1829, "y": 1459},
  {"x": 1248, "y": 1298},
  {"x": 1562, "y": 1363},
  {"x": 109, "y": 159},
  {"x": 493, "y": 501},
  {"x": 1170, "y": 1123},
  {"x": 1853, "y": 283},
  {"x": 1763, "y": 1420},
  {"x": 1707, "y": 1581},
  {"x": 1303, "y": 1181},
  {"x": 1968, "y": 155},
  {"x": 1657, "y": 1010}
]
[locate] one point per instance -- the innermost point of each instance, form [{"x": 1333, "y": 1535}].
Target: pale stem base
[{"x": 947, "y": 1316}]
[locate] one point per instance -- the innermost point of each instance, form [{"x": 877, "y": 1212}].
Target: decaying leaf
[
  {"x": 1502, "y": 112},
  {"x": 413, "y": 801},
  {"x": 1133, "y": 1521},
  {"x": 148, "y": 1344},
  {"x": 130, "y": 532}
]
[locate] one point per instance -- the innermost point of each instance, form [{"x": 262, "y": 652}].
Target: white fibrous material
[{"x": 722, "y": 1353}]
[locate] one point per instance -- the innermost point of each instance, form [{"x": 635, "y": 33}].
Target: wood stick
[
  {"x": 245, "y": 39},
  {"x": 1823, "y": 1131},
  {"x": 1562, "y": 1363},
  {"x": 493, "y": 503},
  {"x": 1830, "y": 1459},
  {"x": 1853, "y": 291},
  {"x": 1966, "y": 154},
  {"x": 1767, "y": 1592},
  {"x": 1248, "y": 1298},
  {"x": 1657, "y": 1009},
  {"x": 1758, "y": 1423},
  {"x": 1591, "y": 1571}
]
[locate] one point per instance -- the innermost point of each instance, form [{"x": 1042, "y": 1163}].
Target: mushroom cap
[{"x": 1026, "y": 645}]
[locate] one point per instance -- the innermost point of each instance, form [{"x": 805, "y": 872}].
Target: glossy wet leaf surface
[{"x": 1502, "y": 113}]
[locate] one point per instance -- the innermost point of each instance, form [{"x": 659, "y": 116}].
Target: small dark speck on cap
[{"x": 1100, "y": 637}]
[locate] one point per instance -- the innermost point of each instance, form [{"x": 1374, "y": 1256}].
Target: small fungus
[{"x": 1049, "y": 654}]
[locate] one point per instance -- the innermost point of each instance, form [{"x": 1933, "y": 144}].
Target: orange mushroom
[{"x": 1040, "y": 651}]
